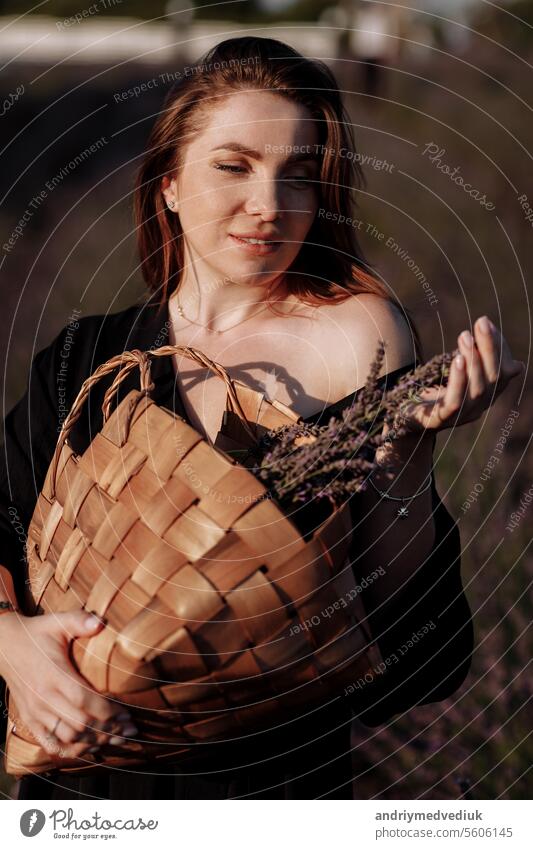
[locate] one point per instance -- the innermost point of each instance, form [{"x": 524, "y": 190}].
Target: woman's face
[{"x": 250, "y": 173}]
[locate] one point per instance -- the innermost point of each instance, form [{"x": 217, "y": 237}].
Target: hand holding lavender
[{"x": 300, "y": 463}]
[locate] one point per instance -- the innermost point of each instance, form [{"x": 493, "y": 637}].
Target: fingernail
[
  {"x": 466, "y": 336},
  {"x": 115, "y": 741},
  {"x": 484, "y": 324},
  {"x": 91, "y": 622},
  {"x": 129, "y": 730},
  {"x": 92, "y": 750},
  {"x": 459, "y": 361}
]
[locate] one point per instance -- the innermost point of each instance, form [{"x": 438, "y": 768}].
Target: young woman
[{"x": 239, "y": 203}]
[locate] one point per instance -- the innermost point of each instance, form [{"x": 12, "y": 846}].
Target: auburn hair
[{"x": 330, "y": 265}]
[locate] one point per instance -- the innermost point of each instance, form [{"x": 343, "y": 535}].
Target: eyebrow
[{"x": 254, "y": 154}]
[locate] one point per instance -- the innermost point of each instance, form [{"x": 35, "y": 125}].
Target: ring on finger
[{"x": 52, "y": 734}]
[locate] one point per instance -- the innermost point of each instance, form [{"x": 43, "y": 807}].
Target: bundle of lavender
[{"x": 303, "y": 464}]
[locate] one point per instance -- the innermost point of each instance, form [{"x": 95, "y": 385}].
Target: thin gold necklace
[{"x": 179, "y": 310}]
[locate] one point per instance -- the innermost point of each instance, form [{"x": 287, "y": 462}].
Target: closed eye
[
  {"x": 238, "y": 169},
  {"x": 233, "y": 168}
]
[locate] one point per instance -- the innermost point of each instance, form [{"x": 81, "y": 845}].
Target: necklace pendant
[{"x": 403, "y": 512}]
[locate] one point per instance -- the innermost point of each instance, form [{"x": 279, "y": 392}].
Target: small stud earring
[{"x": 171, "y": 204}]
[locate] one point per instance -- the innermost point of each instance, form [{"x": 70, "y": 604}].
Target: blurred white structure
[
  {"x": 180, "y": 12},
  {"x": 366, "y": 29},
  {"x": 373, "y": 33},
  {"x": 46, "y": 40}
]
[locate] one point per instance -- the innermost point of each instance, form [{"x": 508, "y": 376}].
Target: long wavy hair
[{"x": 330, "y": 265}]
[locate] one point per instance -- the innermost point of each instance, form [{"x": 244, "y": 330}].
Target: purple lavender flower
[{"x": 301, "y": 462}]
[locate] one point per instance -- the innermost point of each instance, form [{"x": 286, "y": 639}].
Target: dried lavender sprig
[
  {"x": 303, "y": 461},
  {"x": 301, "y": 477},
  {"x": 334, "y": 461},
  {"x": 433, "y": 373},
  {"x": 296, "y": 474}
]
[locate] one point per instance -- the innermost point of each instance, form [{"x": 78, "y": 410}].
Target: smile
[{"x": 258, "y": 247}]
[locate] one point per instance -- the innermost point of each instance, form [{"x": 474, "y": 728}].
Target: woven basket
[{"x": 201, "y": 579}]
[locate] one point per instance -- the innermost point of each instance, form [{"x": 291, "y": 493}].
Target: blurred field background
[{"x": 461, "y": 81}]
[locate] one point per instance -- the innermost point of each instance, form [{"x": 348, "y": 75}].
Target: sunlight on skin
[{"x": 269, "y": 197}]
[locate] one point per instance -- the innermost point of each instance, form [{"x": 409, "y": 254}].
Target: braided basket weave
[{"x": 201, "y": 579}]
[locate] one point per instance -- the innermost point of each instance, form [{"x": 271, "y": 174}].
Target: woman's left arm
[
  {"x": 416, "y": 557},
  {"x": 400, "y": 545}
]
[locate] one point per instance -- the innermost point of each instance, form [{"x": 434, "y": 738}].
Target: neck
[{"x": 217, "y": 304}]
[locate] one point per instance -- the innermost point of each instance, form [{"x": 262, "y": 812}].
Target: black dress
[{"x": 309, "y": 757}]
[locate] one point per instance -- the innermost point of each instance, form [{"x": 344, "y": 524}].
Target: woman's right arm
[
  {"x": 35, "y": 664},
  {"x": 34, "y": 656}
]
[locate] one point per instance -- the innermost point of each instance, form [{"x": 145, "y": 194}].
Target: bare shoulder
[
  {"x": 358, "y": 324},
  {"x": 377, "y": 318}
]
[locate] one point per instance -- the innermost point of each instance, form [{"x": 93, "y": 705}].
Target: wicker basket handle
[
  {"x": 232, "y": 399},
  {"x": 126, "y": 362}
]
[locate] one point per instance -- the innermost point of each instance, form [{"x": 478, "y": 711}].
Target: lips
[
  {"x": 255, "y": 248},
  {"x": 263, "y": 237}
]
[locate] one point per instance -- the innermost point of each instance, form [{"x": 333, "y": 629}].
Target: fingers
[
  {"x": 103, "y": 732},
  {"x": 77, "y": 623},
  {"x": 474, "y": 365},
  {"x": 55, "y": 745},
  {"x": 87, "y": 718},
  {"x": 61, "y": 744},
  {"x": 77, "y": 693},
  {"x": 74, "y": 719},
  {"x": 489, "y": 347},
  {"x": 44, "y": 738},
  {"x": 77, "y": 726},
  {"x": 44, "y": 727},
  {"x": 59, "y": 739},
  {"x": 42, "y": 731},
  {"x": 68, "y": 695},
  {"x": 77, "y": 706},
  {"x": 47, "y": 686},
  {"x": 496, "y": 357},
  {"x": 488, "y": 367},
  {"x": 68, "y": 730},
  {"x": 97, "y": 734},
  {"x": 75, "y": 689},
  {"x": 454, "y": 396}
]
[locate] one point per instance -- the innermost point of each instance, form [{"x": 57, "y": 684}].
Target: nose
[{"x": 265, "y": 198}]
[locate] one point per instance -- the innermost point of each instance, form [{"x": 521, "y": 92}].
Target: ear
[{"x": 169, "y": 192}]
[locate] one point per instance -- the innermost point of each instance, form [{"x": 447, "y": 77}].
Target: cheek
[
  {"x": 218, "y": 209},
  {"x": 204, "y": 211},
  {"x": 201, "y": 194}
]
